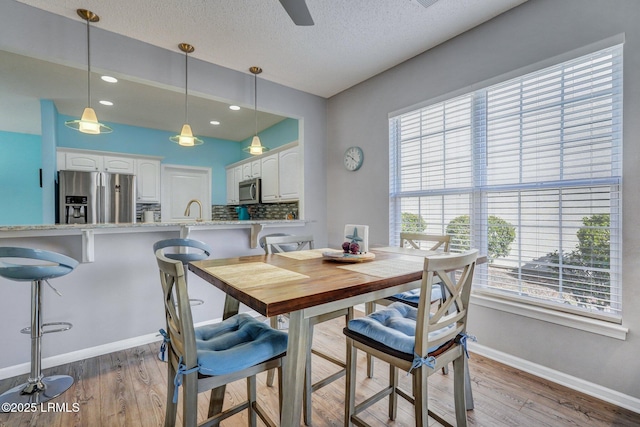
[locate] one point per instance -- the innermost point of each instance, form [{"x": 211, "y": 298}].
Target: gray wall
[{"x": 536, "y": 31}]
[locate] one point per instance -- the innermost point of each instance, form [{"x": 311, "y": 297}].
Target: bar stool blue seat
[{"x": 38, "y": 388}]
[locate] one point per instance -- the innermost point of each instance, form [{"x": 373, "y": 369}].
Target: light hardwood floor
[{"x": 127, "y": 388}]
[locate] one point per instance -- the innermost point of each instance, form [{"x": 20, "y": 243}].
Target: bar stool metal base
[{"x": 37, "y": 391}]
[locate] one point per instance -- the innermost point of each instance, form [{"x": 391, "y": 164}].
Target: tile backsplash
[
  {"x": 259, "y": 211},
  {"x": 228, "y": 213}
]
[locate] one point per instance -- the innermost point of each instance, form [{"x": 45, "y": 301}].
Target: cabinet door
[
  {"x": 148, "y": 180},
  {"x": 246, "y": 171},
  {"x": 256, "y": 169},
  {"x": 289, "y": 174},
  {"x": 83, "y": 162},
  {"x": 118, "y": 164},
  {"x": 230, "y": 186},
  {"x": 234, "y": 176},
  {"x": 269, "y": 166}
]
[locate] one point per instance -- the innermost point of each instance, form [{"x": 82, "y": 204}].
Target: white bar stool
[{"x": 38, "y": 388}]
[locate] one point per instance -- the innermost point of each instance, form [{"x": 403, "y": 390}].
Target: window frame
[{"x": 479, "y": 187}]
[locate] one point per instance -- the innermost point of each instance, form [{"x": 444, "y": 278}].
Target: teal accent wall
[
  {"x": 20, "y": 190},
  {"x": 279, "y": 134}
]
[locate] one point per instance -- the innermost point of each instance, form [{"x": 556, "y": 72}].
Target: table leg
[
  {"x": 231, "y": 307},
  {"x": 293, "y": 384}
]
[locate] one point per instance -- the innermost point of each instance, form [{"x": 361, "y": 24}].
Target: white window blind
[{"x": 529, "y": 172}]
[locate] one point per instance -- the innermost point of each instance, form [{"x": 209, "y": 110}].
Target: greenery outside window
[{"x": 529, "y": 172}]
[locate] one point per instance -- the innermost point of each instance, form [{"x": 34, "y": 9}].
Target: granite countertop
[{"x": 144, "y": 226}]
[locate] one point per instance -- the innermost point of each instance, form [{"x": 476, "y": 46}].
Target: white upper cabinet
[
  {"x": 289, "y": 174},
  {"x": 82, "y": 161},
  {"x": 251, "y": 169},
  {"x": 119, "y": 164},
  {"x": 256, "y": 168},
  {"x": 281, "y": 176},
  {"x": 234, "y": 176},
  {"x": 148, "y": 180},
  {"x": 269, "y": 166},
  {"x": 246, "y": 171}
]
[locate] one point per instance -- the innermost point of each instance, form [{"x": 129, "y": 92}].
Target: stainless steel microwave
[{"x": 249, "y": 191}]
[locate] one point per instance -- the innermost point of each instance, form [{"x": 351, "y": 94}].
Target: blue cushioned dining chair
[
  {"x": 211, "y": 356},
  {"x": 419, "y": 241},
  {"x": 416, "y": 340}
]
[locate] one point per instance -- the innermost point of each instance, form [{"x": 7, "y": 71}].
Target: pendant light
[
  {"x": 88, "y": 123},
  {"x": 186, "y": 138},
  {"x": 256, "y": 148}
]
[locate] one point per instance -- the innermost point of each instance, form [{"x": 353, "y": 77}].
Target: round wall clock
[{"x": 353, "y": 158}]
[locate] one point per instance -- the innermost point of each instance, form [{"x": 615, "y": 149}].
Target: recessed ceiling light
[
  {"x": 214, "y": 122},
  {"x": 109, "y": 79},
  {"x": 103, "y": 102},
  {"x": 234, "y": 107}
]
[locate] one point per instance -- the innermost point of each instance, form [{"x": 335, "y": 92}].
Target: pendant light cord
[
  {"x": 186, "y": 84},
  {"x": 255, "y": 99},
  {"x": 88, "y": 66}
]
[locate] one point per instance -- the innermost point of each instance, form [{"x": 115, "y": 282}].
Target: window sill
[{"x": 595, "y": 326}]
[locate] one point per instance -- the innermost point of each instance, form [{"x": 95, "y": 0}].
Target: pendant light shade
[
  {"x": 256, "y": 148},
  {"x": 186, "y": 138},
  {"x": 88, "y": 123}
]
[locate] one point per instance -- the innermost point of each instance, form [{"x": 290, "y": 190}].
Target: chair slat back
[
  {"x": 432, "y": 242},
  {"x": 456, "y": 272},
  {"x": 276, "y": 244},
  {"x": 177, "y": 311}
]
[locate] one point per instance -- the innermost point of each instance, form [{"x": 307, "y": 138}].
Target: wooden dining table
[{"x": 307, "y": 284}]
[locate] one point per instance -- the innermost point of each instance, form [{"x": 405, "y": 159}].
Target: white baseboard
[
  {"x": 606, "y": 394},
  {"x": 87, "y": 353}
]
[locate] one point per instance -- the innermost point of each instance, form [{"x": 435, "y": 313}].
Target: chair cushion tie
[
  {"x": 462, "y": 339},
  {"x": 177, "y": 380},
  {"x": 418, "y": 361},
  {"x": 163, "y": 346}
]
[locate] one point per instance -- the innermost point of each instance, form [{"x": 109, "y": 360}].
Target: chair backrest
[
  {"x": 455, "y": 271},
  {"x": 177, "y": 311},
  {"x": 203, "y": 250},
  {"x": 263, "y": 239},
  {"x": 432, "y": 242},
  {"x": 276, "y": 244}
]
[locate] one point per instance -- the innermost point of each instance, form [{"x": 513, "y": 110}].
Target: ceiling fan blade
[{"x": 298, "y": 11}]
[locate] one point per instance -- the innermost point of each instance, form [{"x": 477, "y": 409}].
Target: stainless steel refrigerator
[{"x": 96, "y": 197}]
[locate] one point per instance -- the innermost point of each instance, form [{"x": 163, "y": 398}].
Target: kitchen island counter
[{"x": 87, "y": 231}]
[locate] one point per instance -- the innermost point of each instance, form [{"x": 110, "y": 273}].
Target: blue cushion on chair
[
  {"x": 237, "y": 343},
  {"x": 413, "y": 296},
  {"x": 393, "y": 326}
]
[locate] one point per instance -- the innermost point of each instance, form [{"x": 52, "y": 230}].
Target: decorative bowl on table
[{"x": 340, "y": 256}]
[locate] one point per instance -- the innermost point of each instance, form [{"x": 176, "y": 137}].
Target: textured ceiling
[{"x": 351, "y": 40}]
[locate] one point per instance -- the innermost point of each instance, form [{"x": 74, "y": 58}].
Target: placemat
[
  {"x": 387, "y": 267},
  {"x": 407, "y": 251},
  {"x": 302, "y": 255},
  {"x": 251, "y": 273}
]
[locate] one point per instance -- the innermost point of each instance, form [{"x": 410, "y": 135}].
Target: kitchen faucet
[{"x": 187, "y": 211}]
